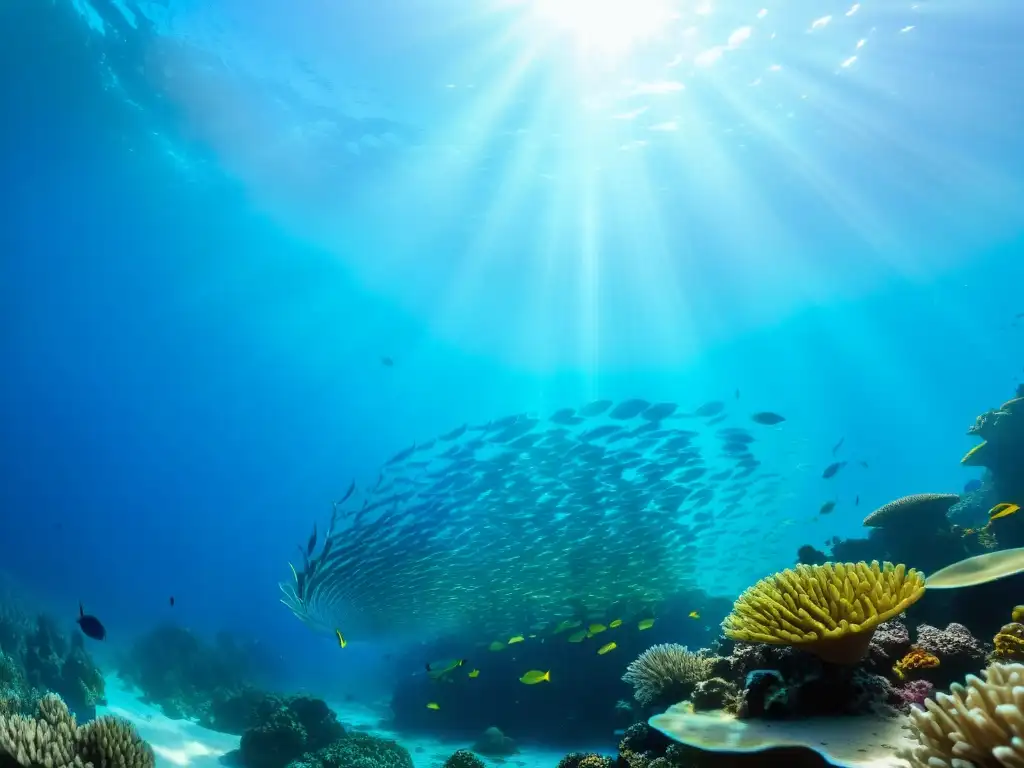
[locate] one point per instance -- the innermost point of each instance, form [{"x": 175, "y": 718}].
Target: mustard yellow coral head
[
  {"x": 829, "y": 610},
  {"x": 871, "y": 741}
]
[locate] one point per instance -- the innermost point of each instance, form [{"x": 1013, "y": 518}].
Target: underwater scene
[{"x": 526, "y": 383}]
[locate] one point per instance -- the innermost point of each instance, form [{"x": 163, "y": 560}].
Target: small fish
[
  {"x": 972, "y": 485},
  {"x": 837, "y": 446},
  {"x": 694, "y": 614},
  {"x": 535, "y": 676},
  {"x": 439, "y": 668},
  {"x": 342, "y": 642},
  {"x": 737, "y": 394},
  {"x": 596, "y": 629},
  {"x": 713, "y": 408},
  {"x": 433, "y": 705},
  {"x": 387, "y": 362},
  {"x": 474, "y": 673},
  {"x": 172, "y": 601},
  {"x": 856, "y": 502},
  {"x": 566, "y": 625},
  {"x": 645, "y": 624},
  {"x": 606, "y": 648},
  {"x": 497, "y": 645},
  {"x": 578, "y": 637},
  {"x": 90, "y": 625},
  {"x": 827, "y": 507},
  {"x": 311, "y": 544},
  {"x": 1002, "y": 510},
  {"x": 832, "y": 469},
  {"x": 768, "y": 418},
  {"x": 515, "y": 639},
  {"x": 615, "y": 623}
]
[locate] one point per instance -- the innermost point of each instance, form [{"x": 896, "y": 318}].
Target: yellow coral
[
  {"x": 1008, "y": 644},
  {"x": 1017, "y": 614},
  {"x": 915, "y": 659},
  {"x": 830, "y": 610}
]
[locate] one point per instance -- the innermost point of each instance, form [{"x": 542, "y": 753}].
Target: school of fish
[{"x": 528, "y": 521}]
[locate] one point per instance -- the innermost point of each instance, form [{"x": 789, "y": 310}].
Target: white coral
[{"x": 980, "y": 725}]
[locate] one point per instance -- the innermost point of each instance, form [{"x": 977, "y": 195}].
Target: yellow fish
[
  {"x": 605, "y": 648},
  {"x": 645, "y": 624},
  {"x": 475, "y": 673},
  {"x": 433, "y": 705},
  {"x": 567, "y": 624},
  {"x": 597, "y": 628},
  {"x": 341, "y": 638},
  {"x": 615, "y": 623},
  {"x": 1002, "y": 510},
  {"x": 535, "y": 676},
  {"x": 515, "y": 639},
  {"x": 694, "y": 614},
  {"x": 497, "y": 645},
  {"x": 578, "y": 637},
  {"x": 438, "y": 669}
]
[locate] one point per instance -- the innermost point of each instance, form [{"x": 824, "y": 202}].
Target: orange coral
[
  {"x": 915, "y": 659},
  {"x": 1009, "y": 643}
]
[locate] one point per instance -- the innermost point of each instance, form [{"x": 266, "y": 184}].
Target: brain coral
[{"x": 830, "y": 610}]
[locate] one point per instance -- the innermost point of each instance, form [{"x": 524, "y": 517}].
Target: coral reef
[
  {"x": 494, "y": 743},
  {"x": 288, "y": 728},
  {"x": 830, "y": 610},
  {"x": 979, "y": 724},
  {"x": 53, "y": 739},
  {"x": 585, "y": 760},
  {"x": 463, "y": 758},
  {"x": 358, "y": 750},
  {"x": 959, "y": 652},
  {"x": 186, "y": 676},
  {"x": 667, "y": 673},
  {"x": 38, "y": 658}
]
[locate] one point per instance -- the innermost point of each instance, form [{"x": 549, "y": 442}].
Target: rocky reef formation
[
  {"x": 37, "y": 658},
  {"x": 185, "y": 676}
]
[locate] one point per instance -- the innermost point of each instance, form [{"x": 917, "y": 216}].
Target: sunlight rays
[
  {"x": 597, "y": 172},
  {"x": 607, "y": 27}
]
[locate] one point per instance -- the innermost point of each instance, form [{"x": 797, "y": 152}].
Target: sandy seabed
[{"x": 180, "y": 743}]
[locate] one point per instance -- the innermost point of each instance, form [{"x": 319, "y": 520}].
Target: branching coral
[
  {"x": 667, "y": 673},
  {"x": 831, "y": 610},
  {"x": 980, "y": 724},
  {"x": 914, "y": 659},
  {"x": 53, "y": 740}
]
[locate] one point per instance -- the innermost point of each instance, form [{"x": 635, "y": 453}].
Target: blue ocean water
[{"x": 219, "y": 217}]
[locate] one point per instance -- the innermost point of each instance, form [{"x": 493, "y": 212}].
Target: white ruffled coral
[{"x": 978, "y": 725}]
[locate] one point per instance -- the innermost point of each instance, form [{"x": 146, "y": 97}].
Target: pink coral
[{"x": 914, "y": 692}]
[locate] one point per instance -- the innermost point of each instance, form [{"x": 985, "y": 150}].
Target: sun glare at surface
[{"x": 605, "y": 26}]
